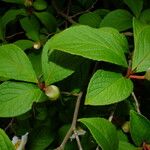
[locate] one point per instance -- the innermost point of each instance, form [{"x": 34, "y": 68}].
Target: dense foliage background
[{"x": 74, "y": 74}]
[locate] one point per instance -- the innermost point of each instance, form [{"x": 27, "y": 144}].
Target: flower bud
[
  {"x": 37, "y": 45},
  {"x": 28, "y": 3},
  {"x": 126, "y": 127},
  {"x": 52, "y": 92},
  {"x": 147, "y": 74}
]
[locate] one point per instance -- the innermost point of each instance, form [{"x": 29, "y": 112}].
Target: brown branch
[
  {"x": 62, "y": 14},
  {"x": 73, "y": 125},
  {"x": 82, "y": 12},
  {"x": 78, "y": 140},
  {"x": 136, "y": 77}
]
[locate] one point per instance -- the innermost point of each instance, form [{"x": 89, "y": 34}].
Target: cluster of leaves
[{"x": 80, "y": 46}]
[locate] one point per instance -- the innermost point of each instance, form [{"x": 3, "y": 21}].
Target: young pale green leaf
[
  {"x": 92, "y": 19},
  {"x": 141, "y": 56},
  {"x": 57, "y": 65},
  {"x": 14, "y": 64},
  {"x": 119, "y": 19},
  {"x": 126, "y": 146},
  {"x": 40, "y": 138},
  {"x": 139, "y": 128},
  {"x": 24, "y": 44},
  {"x": 5, "y": 143},
  {"x": 31, "y": 27},
  {"x": 103, "y": 131},
  {"x": 17, "y": 98},
  {"x": 97, "y": 44},
  {"x": 135, "y": 5},
  {"x": 107, "y": 88},
  {"x": 48, "y": 20}
]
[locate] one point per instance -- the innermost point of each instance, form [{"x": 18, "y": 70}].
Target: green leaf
[
  {"x": 57, "y": 65},
  {"x": 14, "y": 1},
  {"x": 35, "y": 59},
  {"x": 48, "y": 20},
  {"x": 5, "y": 143},
  {"x": 144, "y": 17},
  {"x": 135, "y": 5},
  {"x": 126, "y": 146},
  {"x": 31, "y": 27},
  {"x": 92, "y": 19},
  {"x": 14, "y": 64},
  {"x": 107, "y": 88},
  {"x": 103, "y": 131},
  {"x": 139, "y": 128},
  {"x": 138, "y": 26},
  {"x": 40, "y": 138},
  {"x": 105, "y": 44},
  {"x": 11, "y": 15},
  {"x": 119, "y": 19},
  {"x": 141, "y": 56},
  {"x": 17, "y": 98},
  {"x": 24, "y": 44}
]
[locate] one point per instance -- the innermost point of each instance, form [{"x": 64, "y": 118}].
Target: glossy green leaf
[
  {"x": 141, "y": 56},
  {"x": 5, "y": 143},
  {"x": 107, "y": 88},
  {"x": 24, "y": 44},
  {"x": 48, "y": 20},
  {"x": 57, "y": 65},
  {"x": 119, "y": 19},
  {"x": 31, "y": 27},
  {"x": 135, "y": 5},
  {"x": 14, "y": 64},
  {"x": 139, "y": 128},
  {"x": 105, "y": 44},
  {"x": 126, "y": 146},
  {"x": 17, "y": 98},
  {"x": 92, "y": 19},
  {"x": 40, "y": 138},
  {"x": 103, "y": 131}
]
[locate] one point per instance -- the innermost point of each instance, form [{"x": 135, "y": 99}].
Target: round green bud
[
  {"x": 52, "y": 92},
  {"x": 147, "y": 74},
  {"x": 126, "y": 127},
  {"x": 40, "y": 5}
]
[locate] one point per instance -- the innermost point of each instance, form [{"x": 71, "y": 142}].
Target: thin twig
[
  {"x": 69, "y": 94},
  {"x": 82, "y": 12},
  {"x": 62, "y": 14},
  {"x": 78, "y": 140},
  {"x": 11, "y": 36},
  {"x": 136, "y": 103},
  {"x": 128, "y": 33},
  {"x": 10, "y": 124},
  {"x": 73, "y": 125}
]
